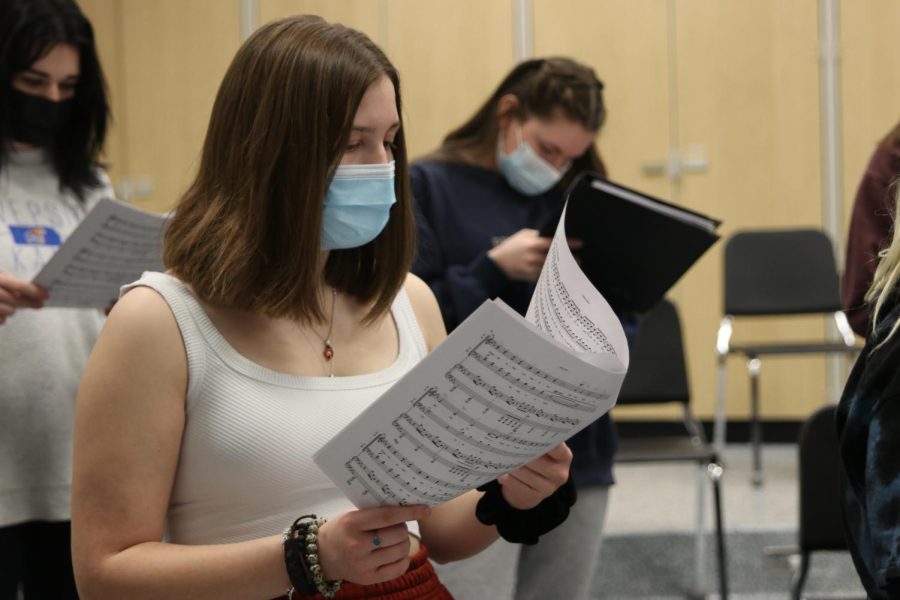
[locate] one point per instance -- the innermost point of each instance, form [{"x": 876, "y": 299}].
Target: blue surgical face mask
[
  {"x": 525, "y": 171},
  {"x": 357, "y": 205}
]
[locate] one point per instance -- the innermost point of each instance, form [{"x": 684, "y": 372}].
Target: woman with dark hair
[
  {"x": 53, "y": 118},
  {"x": 286, "y": 311},
  {"x": 481, "y": 199}
]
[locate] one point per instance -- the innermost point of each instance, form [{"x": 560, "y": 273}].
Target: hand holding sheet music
[{"x": 498, "y": 393}]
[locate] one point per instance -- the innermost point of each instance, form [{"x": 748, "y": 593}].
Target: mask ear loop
[{"x": 519, "y": 139}]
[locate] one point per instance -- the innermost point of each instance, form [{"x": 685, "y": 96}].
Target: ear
[{"x": 506, "y": 109}]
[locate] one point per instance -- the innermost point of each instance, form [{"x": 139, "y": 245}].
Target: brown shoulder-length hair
[
  {"x": 545, "y": 88},
  {"x": 247, "y": 233}
]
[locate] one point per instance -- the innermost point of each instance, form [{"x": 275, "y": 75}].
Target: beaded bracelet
[{"x": 301, "y": 557}]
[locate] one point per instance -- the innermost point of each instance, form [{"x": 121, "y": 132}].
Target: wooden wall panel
[
  {"x": 358, "y": 14},
  {"x": 746, "y": 79},
  {"x": 625, "y": 43},
  {"x": 104, "y": 16},
  {"x": 748, "y": 92},
  {"x": 870, "y": 84},
  {"x": 175, "y": 53},
  {"x": 451, "y": 54}
]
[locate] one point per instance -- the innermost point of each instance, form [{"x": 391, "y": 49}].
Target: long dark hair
[
  {"x": 247, "y": 233},
  {"x": 28, "y": 30},
  {"x": 544, "y": 87}
]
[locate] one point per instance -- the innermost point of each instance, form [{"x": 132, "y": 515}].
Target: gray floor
[
  {"x": 648, "y": 547},
  {"x": 661, "y": 497}
]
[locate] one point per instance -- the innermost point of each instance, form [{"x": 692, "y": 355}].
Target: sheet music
[
  {"x": 112, "y": 246},
  {"x": 500, "y": 391},
  {"x": 494, "y": 396},
  {"x": 567, "y": 307}
]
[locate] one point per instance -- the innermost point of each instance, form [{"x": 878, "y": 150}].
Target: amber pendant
[{"x": 328, "y": 352}]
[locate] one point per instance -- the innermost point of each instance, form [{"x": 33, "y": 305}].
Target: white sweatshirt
[{"x": 42, "y": 352}]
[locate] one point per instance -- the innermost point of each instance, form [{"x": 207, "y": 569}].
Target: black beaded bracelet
[
  {"x": 524, "y": 526},
  {"x": 294, "y": 548},
  {"x": 301, "y": 557}
]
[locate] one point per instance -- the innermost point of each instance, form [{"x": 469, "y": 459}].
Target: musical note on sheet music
[
  {"x": 496, "y": 394},
  {"x": 113, "y": 245}
]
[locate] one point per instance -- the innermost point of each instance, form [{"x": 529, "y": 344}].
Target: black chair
[
  {"x": 767, "y": 273},
  {"x": 821, "y": 522},
  {"x": 657, "y": 374}
]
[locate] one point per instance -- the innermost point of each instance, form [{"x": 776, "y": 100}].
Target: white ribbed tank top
[{"x": 245, "y": 469}]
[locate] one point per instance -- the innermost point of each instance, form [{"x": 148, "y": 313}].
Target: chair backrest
[
  {"x": 780, "y": 272},
  {"x": 821, "y": 521},
  {"x": 657, "y": 372}
]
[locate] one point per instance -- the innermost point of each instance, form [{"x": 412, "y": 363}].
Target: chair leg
[
  {"x": 693, "y": 427},
  {"x": 700, "y": 533},
  {"x": 800, "y": 576},
  {"x": 720, "y": 416},
  {"x": 753, "y": 367},
  {"x": 715, "y": 474}
]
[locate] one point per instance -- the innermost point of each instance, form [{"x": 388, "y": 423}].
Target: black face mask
[{"x": 36, "y": 120}]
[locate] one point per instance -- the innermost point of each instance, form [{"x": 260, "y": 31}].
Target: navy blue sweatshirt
[{"x": 462, "y": 212}]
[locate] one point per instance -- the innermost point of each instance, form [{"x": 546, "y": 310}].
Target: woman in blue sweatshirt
[{"x": 481, "y": 199}]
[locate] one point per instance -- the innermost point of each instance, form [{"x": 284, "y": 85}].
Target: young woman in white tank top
[{"x": 286, "y": 310}]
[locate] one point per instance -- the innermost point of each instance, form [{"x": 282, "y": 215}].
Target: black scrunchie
[{"x": 524, "y": 526}]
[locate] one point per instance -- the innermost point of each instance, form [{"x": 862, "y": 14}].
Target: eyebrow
[
  {"x": 395, "y": 125},
  {"x": 39, "y": 73}
]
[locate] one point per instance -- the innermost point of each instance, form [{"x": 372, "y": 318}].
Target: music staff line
[
  {"x": 478, "y": 425},
  {"x": 455, "y": 469},
  {"x": 589, "y": 327},
  {"x": 411, "y": 489},
  {"x": 592, "y": 395},
  {"x": 370, "y": 475},
  {"x": 533, "y": 390},
  {"x": 439, "y": 443},
  {"x": 129, "y": 229},
  {"x": 93, "y": 275},
  {"x": 102, "y": 238},
  {"x": 89, "y": 255},
  {"x": 525, "y": 407}
]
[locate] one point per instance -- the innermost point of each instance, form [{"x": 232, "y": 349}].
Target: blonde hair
[{"x": 887, "y": 273}]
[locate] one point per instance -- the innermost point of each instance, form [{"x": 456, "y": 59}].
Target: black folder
[{"x": 635, "y": 246}]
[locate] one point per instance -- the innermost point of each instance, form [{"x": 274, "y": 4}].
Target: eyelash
[
  {"x": 389, "y": 145},
  {"x": 39, "y": 82}
]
